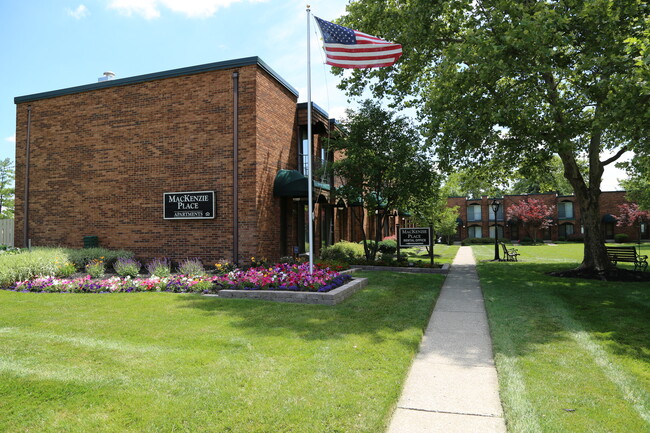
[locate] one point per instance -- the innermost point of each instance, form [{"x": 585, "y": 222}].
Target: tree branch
[{"x": 615, "y": 157}]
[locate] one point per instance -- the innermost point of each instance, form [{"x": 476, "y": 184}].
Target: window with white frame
[
  {"x": 565, "y": 210},
  {"x": 474, "y": 212}
]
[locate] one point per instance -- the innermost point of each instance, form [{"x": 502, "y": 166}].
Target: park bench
[
  {"x": 627, "y": 254},
  {"x": 509, "y": 255}
]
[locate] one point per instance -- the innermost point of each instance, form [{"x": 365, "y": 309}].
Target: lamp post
[{"x": 495, "y": 207}]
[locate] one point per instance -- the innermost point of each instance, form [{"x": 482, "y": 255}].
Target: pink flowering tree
[
  {"x": 533, "y": 214},
  {"x": 630, "y": 215}
]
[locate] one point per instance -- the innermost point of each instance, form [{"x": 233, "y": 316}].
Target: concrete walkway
[{"x": 452, "y": 386}]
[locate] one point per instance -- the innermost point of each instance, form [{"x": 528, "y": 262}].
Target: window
[
  {"x": 474, "y": 231},
  {"x": 491, "y": 212},
  {"x": 303, "y": 152},
  {"x": 499, "y": 231},
  {"x": 514, "y": 232},
  {"x": 565, "y": 210},
  {"x": 474, "y": 212},
  {"x": 565, "y": 230}
]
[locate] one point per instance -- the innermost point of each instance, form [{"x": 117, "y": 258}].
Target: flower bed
[{"x": 279, "y": 277}]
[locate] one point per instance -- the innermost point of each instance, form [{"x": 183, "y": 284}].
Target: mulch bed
[{"x": 611, "y": 274}]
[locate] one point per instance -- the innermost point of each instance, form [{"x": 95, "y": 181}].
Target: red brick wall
[
  {"x": 277, "y": 147},
  {"x": 100, "y": 161},
  {"x": 609, "y": 202}
]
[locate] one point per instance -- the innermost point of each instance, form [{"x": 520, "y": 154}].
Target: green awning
[
  {"x": 292, "y": 183},
  {"x": 609, "y": 218}
]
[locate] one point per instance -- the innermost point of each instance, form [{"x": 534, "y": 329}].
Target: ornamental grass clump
[
  {"x": 191, "y": 267},
  {"x": 127, "y": 267},
  {"x": 160, "y": 267}
]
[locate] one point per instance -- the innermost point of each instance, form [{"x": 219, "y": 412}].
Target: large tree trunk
[{"x": 595, "y": 255}]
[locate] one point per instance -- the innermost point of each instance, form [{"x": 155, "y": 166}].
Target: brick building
[
  {"x": 96, "y": 160},
  {"x": 476, "y": 217}
]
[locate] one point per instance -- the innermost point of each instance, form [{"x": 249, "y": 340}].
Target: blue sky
[{"x": 54, "y": 44}]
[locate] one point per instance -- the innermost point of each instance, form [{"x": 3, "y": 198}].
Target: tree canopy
[
  {"x": 385, "y": 165},
  {"x": 6, "y": 188},
  {"x": 507, "y": 83},
  {"x": 638, "y": 183}
]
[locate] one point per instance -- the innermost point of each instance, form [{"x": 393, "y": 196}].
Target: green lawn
[
  {"x": 573, "y": 355},
  {"x": 160, "y": 362},
  {"x": 441, "y": 254}
]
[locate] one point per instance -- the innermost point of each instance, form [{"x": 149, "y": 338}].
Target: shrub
[
  {"x": 343, "y": 251},
  {"x": 96, "y": 268},
  {"x": 160, "y": 267},
  {"x": 621, "y": 237},
  {"x": 477, "y": 241},
  {"x": 388, "y": 246},
  {"x": 127, "y": 267},
  {"x": 81, "y": 257},
  {"x": 191, "y": 268},
  {"x": 334, "y": 265},
  {"x": 575, "y": 237},
  {"x": 65, "y": 269},
  {"x": 6, "y": 249}
]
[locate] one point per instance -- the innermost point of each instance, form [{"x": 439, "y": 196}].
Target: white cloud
[
  {"x": 150, "y": 9},
  {"x": 146, "y": 8},
  {"x": 79, "y": 13},
  {"x": 11, "y": 139}
]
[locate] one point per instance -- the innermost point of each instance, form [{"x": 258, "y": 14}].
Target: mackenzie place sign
[
  {"x": 188, "y": 205},
  {"x": 415, "y": 237}
]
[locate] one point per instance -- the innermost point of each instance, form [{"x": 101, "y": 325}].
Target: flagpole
[{"x": 310, "y": 183}]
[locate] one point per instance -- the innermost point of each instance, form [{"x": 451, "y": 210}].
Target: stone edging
[
  {"x": 332, "y": 297},
  {"x": 443, "y": 270}
]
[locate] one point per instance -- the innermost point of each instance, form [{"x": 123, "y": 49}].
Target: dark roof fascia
[
  {"x": 303, "y": 106},
  {"x": 236, "y": 63}
]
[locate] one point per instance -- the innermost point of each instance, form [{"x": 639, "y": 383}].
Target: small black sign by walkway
[
  {"x": 188, "y": 205},
  {"x": 415, "y": 237}
]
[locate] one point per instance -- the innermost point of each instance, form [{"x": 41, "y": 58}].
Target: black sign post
[{"x": 189, "y": 205}]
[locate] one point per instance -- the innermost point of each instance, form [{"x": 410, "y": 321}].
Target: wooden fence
[{"x": 7, "y": 232}]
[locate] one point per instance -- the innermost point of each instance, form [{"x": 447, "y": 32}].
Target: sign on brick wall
[
  {"x": 415, "y": 237},
  {"x": 188, "y": 205}
]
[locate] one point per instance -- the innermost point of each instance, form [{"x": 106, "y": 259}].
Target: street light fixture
[{"x": 495, "y": 207}]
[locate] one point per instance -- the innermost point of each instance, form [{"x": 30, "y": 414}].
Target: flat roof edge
[{"x": 246, "y": 61}]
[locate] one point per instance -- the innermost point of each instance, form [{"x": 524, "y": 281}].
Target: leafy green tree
[
  {"x": 510, "y": 83},
  {"x": 474, "y": 184},
  {"x": 638, "y": 183},
  {"x": 545, "y": 177},
  {"x": 6, "y": 188},
  {"x": 431, "y": 210},
  {"x": 385, "y": 165}
]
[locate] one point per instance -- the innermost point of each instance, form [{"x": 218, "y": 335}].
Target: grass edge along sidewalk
[
  {"x": 165, "y": 362},
  {"x": 572, "y": 355}
]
